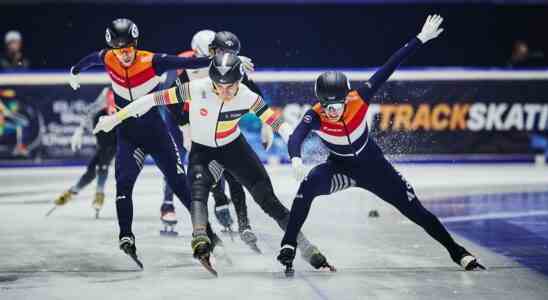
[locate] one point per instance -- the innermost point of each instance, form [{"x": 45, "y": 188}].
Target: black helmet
[
  {"x": 332, "y": 87},
  {"x": 122, "y": 33},
  {"x": 226, "y": 68},
  {"x": 227, "y": 41}
]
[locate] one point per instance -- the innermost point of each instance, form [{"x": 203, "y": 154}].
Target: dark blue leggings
[{"x": 370, "y": 171}]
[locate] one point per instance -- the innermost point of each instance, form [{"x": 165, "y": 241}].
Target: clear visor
[{"x": 221, "y": 51}]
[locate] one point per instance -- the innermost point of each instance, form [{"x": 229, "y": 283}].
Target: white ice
[{"x": 70, "y": 255}]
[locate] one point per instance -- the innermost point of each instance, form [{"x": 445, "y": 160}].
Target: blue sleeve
[
  {"x": 382, "y": 74},
  {"x": 310, "y": 121},
  {"x": 94, "y": 59},
  {"x": 165, "y": 62}
]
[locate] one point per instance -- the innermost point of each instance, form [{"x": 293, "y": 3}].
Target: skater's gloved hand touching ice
[
  {"x": 299, "y": 171},
  {"x": 430, "y": 29},
  {"x": 73, "y": 79},
  {"x": 76, "y": 140},
  {"x": 267, "y": 137}
]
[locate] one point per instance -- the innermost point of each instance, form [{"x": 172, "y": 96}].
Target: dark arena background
[{"x": 464, "y": 120}]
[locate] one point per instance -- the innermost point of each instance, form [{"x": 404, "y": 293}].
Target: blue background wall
[{"x": 56, "y": 36}]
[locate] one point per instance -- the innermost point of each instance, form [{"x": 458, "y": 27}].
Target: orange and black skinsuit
[
  {"x": 149, "y": 134},
  {"x": 355, "y": 160}
]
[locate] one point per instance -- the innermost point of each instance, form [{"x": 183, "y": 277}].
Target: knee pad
[
  {"x": 264, "y": 196},
  {"x": 200, "y": 182}
]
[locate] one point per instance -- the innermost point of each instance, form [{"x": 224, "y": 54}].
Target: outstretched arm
[
  {"x": 270, "y": 118},
  {"x": 165, "y": 62},
  {"x": 93, "y": 59},
  {"x": 430, "y": 30},
  {"x": 142, "y": 105}
]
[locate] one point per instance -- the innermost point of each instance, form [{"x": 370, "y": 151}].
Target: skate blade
[
  {"x": 256, "y": 248},
  {"x": 136, "y": 260},
  {"x": 169, "y": 233},
  {"x": 475, "y": 266},
  {"x": 51, "y": 210},
  {"x": 207, "y": 265},
  {"x": 221, "y": 254},
  {"x": 329, "y": 267},
  {"x": 289, "y": 271},
  {"x": 229, "y": 231},
  {"x": 97, "y": 213}
]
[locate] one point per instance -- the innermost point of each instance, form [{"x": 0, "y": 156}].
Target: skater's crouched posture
[
  {"x": 216, "y": 104},
  {"x": 355, "y": 160}
]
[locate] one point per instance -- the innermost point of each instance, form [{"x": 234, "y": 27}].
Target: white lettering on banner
[
  {"x": 543, "y": 117},
  {"x": 494, "y": 116},
  {"x": 514, "y": 118},
  {"x": 531, "y": 110},
  {"x": 501, "y": 117},
  {"x": 476, "y": 117},
  {"x": 70, "y": 114}
]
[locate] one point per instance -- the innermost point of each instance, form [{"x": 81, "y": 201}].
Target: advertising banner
[{"x": 406, "y": 117}]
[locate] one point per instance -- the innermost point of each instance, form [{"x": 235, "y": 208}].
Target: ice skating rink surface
[{"x": 499, "y": 212}]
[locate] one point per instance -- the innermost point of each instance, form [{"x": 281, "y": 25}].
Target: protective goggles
[
  {"x": 215, "y": 51},
  {"x": 124, "y": 51},
  {"x": 334, "y": 109}
]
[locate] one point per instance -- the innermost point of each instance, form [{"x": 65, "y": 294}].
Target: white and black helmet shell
[
  {"x": 226, "y": 68},
  {"x": 200, "y": 42}
]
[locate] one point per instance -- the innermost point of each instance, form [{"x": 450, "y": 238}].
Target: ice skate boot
[
  {"x": 127, "y": 244},
  {"x": 169, "y": 220},
  {"x": 98, "y": 203},
  {"x": 222, "y": 213},
  {"x": 61, "y": 200},
  {"x": 64, "y": 198},
  {"x": 373, "y": 213},
  {"x": 250, "y": 239},
  {"x": 201, "y": 250},
  {"x": 466, "y": 260},
  {"x": 317, "y": 259},
  {"x": 286, "y": 257}
]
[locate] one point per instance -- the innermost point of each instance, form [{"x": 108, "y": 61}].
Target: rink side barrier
[{"x": 432, "y": 115}]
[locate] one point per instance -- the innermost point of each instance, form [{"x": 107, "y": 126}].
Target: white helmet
[{"x": 200, "y": 42}]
